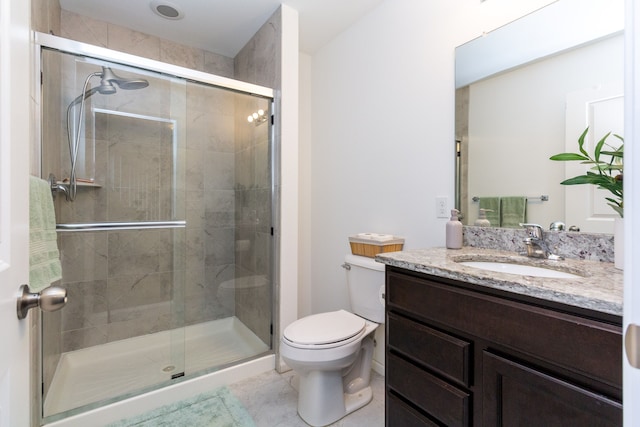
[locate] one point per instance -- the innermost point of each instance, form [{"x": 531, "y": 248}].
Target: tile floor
[{"x": 271, "y": 401}]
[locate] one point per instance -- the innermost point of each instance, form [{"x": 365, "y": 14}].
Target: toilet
[{"x": 332, "y": 352}]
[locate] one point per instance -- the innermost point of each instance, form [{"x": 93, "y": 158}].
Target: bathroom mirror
[{"x": 525, "y": 92}]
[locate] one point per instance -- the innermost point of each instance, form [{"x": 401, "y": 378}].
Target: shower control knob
[{"x": 52, "y": 298}]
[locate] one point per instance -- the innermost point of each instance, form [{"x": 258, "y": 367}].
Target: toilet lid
[{"x": 324, "y": 328}]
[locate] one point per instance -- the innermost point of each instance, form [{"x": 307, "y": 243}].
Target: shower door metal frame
[
  {"x": 43, "y": 40},
  {"x": 84, "y": 49}
]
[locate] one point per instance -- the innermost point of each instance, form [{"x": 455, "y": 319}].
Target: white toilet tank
[{"x": 365, "y": 280}]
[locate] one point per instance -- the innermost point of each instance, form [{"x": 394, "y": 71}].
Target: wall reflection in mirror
[{"x": 521, "y": 98}]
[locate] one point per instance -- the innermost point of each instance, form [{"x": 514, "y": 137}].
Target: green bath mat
[{"x": 215, "y": 409}]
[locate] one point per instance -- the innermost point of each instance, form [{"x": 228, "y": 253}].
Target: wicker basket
[{"x": 370, "y": 248}]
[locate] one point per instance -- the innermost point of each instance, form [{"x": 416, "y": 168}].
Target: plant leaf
[
  {"x": 582, "y": 179},
  {"x": 581, "y": 142},
  {"x": 618, "y": 209},
  {"x": 618, "y": 153},
  {"x": 568, "y": 156},
  {"x": 598, "y": 148},
  {"x": 614, "y": 201},
  {"x": 601, "y": 173}
]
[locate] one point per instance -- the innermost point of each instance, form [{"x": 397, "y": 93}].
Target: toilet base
[
  {"x": 357, "y": 400},
  {"x": 336, "y": 410},
  {"x": 332, "y": 383}
]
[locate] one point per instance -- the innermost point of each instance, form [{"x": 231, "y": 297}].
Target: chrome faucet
[{"x": 536, "y": 246}]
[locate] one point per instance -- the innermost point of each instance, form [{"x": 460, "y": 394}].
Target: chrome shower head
[
  {"x": 105, "y": 88},
  {"x": 108, "y": 77},
  {"x": 107, "y": 80}
]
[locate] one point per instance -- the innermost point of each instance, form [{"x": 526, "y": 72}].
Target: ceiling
[{"x": 225, "y": 26}]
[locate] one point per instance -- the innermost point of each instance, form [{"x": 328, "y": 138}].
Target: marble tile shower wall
[
  {"x": 253, "y": 219},
  {"x": 45, "y": 16},
  {"x": 124, "y": 284},
  {"x": 88, "y": 30},
  {"x": 210, "y": 201},
  {"x": 121, "y": 283},
  {"x": 258, "y": 62}
]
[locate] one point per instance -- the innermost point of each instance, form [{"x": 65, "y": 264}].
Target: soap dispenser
[
  {"x": 454, "y": 231},
  {"x": 482, "y": 220}
]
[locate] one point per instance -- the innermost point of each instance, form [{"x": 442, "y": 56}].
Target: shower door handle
[{"x": 52, "y": 298}]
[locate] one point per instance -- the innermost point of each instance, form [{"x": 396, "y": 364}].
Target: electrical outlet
[{"x": 441, "y": 207}]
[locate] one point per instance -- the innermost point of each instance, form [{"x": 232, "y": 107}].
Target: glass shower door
[
  {"x": 228, "y": 295},
  {"x": 114, "y": 138},
  {"x": 165, "y": 211}
]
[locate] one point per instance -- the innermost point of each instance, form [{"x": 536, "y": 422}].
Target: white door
[
  {"x": 631, "y": 375},
  {"x": 14, "y": 214},
  {"x": 602, "y": 110}
]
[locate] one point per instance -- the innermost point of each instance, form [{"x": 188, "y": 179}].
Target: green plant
[{"x": 606, "y": 172}]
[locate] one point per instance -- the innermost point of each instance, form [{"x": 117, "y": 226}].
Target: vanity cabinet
[{"x": 461, "y": 355}]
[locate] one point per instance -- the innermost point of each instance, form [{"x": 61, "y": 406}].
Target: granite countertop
[{"x": 599, "y": 287}]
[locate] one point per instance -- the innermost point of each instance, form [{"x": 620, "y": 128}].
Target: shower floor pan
[{"x": 121, "y": 367}]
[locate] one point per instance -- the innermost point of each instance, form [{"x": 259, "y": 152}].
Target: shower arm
[
  {"x": 87, "y": 94},
  {"x": 74, "y": 142}
]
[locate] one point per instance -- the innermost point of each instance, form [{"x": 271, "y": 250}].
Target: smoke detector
[{"x": 166, "y": 10}]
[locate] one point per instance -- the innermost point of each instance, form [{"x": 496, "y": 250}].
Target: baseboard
[{"x": 378, "y": 367}]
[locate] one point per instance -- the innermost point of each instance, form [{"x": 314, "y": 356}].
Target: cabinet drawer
[
  {"x": 441, "y": 352},
  {"x": 515, "y": 394},
  {"x": 442, "y": 400},
  {"x": 580, "y": 345},
  {"x": 399, "y": 414}
]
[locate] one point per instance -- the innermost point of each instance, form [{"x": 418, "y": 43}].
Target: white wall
[
  {"x": 289, "y": 171},
  {"x": 304, "y": 182},
  {"x": 382, "y": 123}
]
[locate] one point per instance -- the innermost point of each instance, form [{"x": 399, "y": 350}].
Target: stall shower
[{"x": 164, "y": 207}]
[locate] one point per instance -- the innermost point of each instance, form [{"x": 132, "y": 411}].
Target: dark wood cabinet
[
  {"x": 518, "y": 395},
  {"x": 462, "y": 355}
]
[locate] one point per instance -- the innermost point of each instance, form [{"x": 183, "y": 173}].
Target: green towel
[
  {"x": 493, "y": 206},
  {"x": 44, "y": 257},
  {"x": 513, "y": 211}
]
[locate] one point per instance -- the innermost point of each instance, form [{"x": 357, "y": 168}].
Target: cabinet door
[
  {"x": 399, "y": 414},
  {"x": 517, "y": 395}
]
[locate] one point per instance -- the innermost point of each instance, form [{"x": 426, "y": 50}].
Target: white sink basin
[{"x": 519, "y": 269}]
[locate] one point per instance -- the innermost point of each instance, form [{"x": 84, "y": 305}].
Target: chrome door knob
[{"x": 49, "y": 299}]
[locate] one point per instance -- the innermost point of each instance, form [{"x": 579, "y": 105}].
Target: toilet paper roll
[{"x": 376, "y": 237}]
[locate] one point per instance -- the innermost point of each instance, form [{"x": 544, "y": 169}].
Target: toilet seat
[{"x": 325, "y": 330}]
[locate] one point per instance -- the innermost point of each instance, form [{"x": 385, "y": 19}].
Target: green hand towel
[
  {"x": 44, "y": 257},
  {"x": 513, "y": 211},
  {"x": 492, "y": 204}
]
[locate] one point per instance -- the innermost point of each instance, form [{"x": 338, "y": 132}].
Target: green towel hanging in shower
[{"x": 44, "y": 257}]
